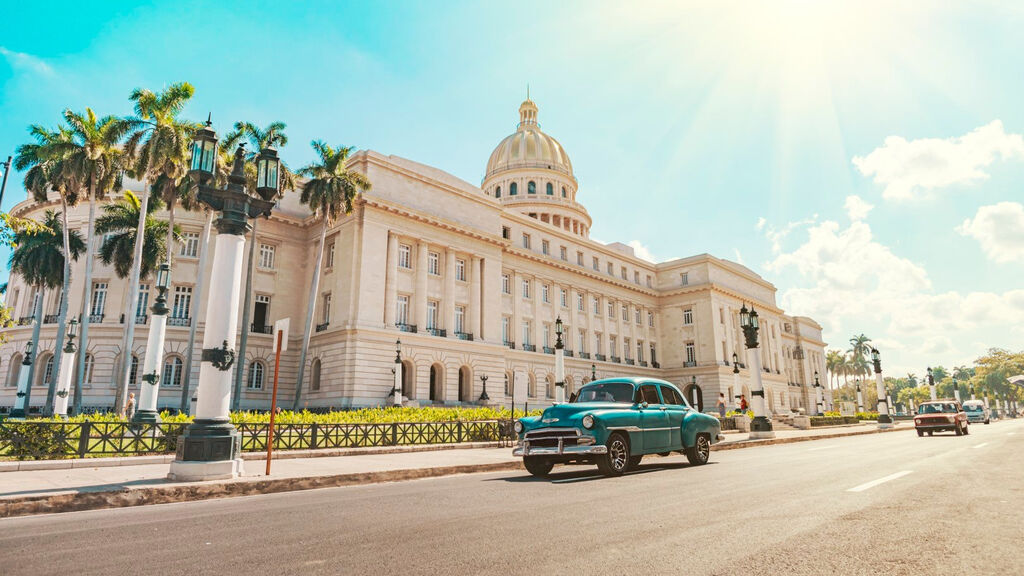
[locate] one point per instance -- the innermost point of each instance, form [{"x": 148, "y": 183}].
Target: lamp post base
[
  {"x": 208, "y": 450},
  {"x": 761, "y": 427},
  {"x": 146, "y": 417},
  {"x": 17, "y": 413},
  {"x": 885, "y": 422}
]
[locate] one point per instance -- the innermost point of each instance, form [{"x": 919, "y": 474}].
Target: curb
[{"x": 125, "y": 496}]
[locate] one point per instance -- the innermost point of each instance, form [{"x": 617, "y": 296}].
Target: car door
[
  {"x": 654, "y": 420},
  {"x": 675, "y": 409}
]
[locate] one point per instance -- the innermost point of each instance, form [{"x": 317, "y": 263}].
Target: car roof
[{"x": 635, "y": 381}]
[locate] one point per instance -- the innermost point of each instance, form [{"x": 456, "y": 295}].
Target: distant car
[
  {"x": 939, "y": 416},
  {"x": 977, "y": 412},
  {"x": 613, "y": 423}
]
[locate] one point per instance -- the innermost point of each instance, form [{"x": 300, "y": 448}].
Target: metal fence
[{"x": 51, "y": 440}]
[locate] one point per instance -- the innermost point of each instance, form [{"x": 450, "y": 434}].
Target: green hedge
[
  {"x": 361, "y": 416},
  {"x": 833, "y": 420}
]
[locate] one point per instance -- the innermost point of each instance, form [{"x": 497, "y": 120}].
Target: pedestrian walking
[
  {"x": 129, "y": 407},
  {"x": 721, "y": 405},
  {"x": 743, "y": 403}
]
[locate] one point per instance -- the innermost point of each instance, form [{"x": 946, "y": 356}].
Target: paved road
[{"x": 877, "y": 504}]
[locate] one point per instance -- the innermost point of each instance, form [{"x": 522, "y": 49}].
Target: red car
[{"x": 941, "y": 415}]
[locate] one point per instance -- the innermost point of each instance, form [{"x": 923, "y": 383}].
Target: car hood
[{"x": 561, "y": 412}]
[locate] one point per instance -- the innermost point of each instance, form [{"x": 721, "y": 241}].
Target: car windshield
[
  {"x": 606, "y": 392},
  {"x": 937, "y": 408},
  {"x": 973, "y": 408}
]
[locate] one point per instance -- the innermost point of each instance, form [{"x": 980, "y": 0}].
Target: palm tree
[
  {"x": 92, "y": 163},
  {"x": 833, "y": 360},
  {"x": 329, "y": 193},
  {"x": 158, "y": 146},
  {"x": 859, "y": 345},
  {"x": 44, "y": 160},
  {"x": 118, "y": 224}
]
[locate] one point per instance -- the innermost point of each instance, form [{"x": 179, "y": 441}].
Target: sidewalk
[{"x": 41, "y": 491}]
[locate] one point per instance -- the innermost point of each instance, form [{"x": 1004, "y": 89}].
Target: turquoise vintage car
[{"x": 613, "y": 423}]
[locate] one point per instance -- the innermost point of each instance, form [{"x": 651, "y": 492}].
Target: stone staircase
[{"x": 783, "y": 423}]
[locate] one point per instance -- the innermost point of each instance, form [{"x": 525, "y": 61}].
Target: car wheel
[
  {"x": 539, "y": 467},
  {"x": 988, "y": 421},
  {"x": 634, "y": 461},
  {"x": 699, "y": 453},
  {"x": 967, "y": 428},
  {"x": 958, "y": 429},
  {"x": 616, "y": 460},
  {"x": 920, "y": 433},
  {"x": 929, "y": 432}
]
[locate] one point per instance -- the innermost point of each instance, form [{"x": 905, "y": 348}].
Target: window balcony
[
  {"x": 616, "y": 359},
  {"x": 549, "y": 350},
  {"x": 464, "y": 336},
  {"x": 630, "y": 362},
  {"x": 690, "y": 364},
  {"x": 585, "y": 355},
  {"x": 437, "y": 332},
  {"x": 24, "y": 321},
  {"x": 179, "y": 321},
  {"x": 568, "y": 353},
  {"x": 261, "y": 329},
  {"x": 530, "y": 347},
  {"x": 655, "y": 364},
  {"x": 600, "y": 357},
  {"x": 142, "y": 319},
  {"x": 767, "y": 370},
  {"x": 643, "y": 363},
  {"x": 52, "y": 319},
  {"x": 406, "y": 327},
  {"x": 93, "y": 319},
  {"x": 510, "y": 344},
  {"x": 322, "y": 327}
]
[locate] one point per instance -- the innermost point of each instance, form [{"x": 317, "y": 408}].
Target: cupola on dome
[{"x": 528, "y": 147}]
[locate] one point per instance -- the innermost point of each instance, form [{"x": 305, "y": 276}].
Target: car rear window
[
  {"x": 650, "y": 394},
  {"x": 671, "y": 396}
]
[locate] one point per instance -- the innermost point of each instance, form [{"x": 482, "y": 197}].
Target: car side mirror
[{"x": 642, "y": 405}]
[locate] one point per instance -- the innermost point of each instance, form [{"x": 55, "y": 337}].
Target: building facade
[{"x": 471, "y": 279}]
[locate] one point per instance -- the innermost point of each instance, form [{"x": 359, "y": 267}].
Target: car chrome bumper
[
  {"x": 949, "y": 426},
  {"x": 560, "y": 450}
]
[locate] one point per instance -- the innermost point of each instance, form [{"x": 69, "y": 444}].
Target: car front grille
[{"x": 549, "y": 437}]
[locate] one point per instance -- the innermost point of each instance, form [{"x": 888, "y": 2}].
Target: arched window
[
  {"x": 549, "y": 389},
  {"x": 563, "y": 191},
  {"x": 89, "y": 362},
  {"x": 437, "y": 383},
  {"x": 44, "y": 375},
  {"x": 550, "y": 189},
  {"x": 314, "y": 377},
  {"x": 513, "y": 189},
  {"x": 408, "y": 376},
  {"x": 531, "y": 187},
  {"x": 497, "y": 192},
  {"x": 465, "y": 384},
  {"x": 255, "y": 381},
  {"x": 133, "y": 374},
  {"x": 173, "y": 367},
  {"x": 531, "y": 389},
  {"x": 14, "y": 369}
]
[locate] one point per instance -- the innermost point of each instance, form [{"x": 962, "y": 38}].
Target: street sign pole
[{"x": 281, "y": 329}]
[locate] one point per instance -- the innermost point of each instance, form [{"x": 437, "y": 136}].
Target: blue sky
[{"x": 756, "y": 131}]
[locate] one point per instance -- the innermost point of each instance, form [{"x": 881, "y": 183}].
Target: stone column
[
  {"x": 449, "y": 291},
  {"x": 620, "y": 342},
  {"x": 391, "y": 282},
  {"x": 884, "y": 420},
  {"x": 475, "y": 312},
  {"x": 757, "y": 397},
  {"x": 538, "y": 323},
  {"x": 421, "y": 286},
  {"x": 149, "y": 391},
  {"x": 516, "y": 329}
]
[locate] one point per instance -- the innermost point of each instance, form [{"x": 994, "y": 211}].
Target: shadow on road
[{"x": 586, "y": 473}]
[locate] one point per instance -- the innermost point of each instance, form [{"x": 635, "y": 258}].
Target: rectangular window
[
  {"x": 526, "y": 240},
  {"x": 142, "y": 307},
  {"x": 650, "y": 319},
  {"x": 611, "y": 309},
  {"x": 636, "y": 315},
  {"x": 579, "y": 258},
  {"x": 547, "y": 336},
  {"x": 597, "y": 305},
  {"x": 405, "y": 256},
  {"x": 721, "y": 315},
  {"x": 460, "y": 319},
  {"x": 182, "y": 302},
  {"x": 545, "y": 247},
  {"x": 460, "y": 270},
  {"x": 267, "y": 256},
  {"x": 581, "y": 341},
  {"x": 684, "y": 278},
  {"x": 189, "y": 245},
  {"x": 562, "y": 253},
  {"x": 99, "y": 299},
  {"x": 261, "y": 311},
  {"x": 433, "y": 263},
  {"x": 597, "y": 264},
  {"x": 506, "y": 232},
  {"x": 640, "y": 351},
  {"x": 402, "y": 312},
  {"x": 526, "y": 288},
  {"x": 564, "y": 298},
  {"x": 627, "y": 349},
  {"x": 625, "y": 313},
  {"x": 431, "y": 314},
  {"x": 597, "y": 343},
  {"x": 636, "y": 277},
  {"x": 505, "y": 335},
  {"x": 622, "y": 273},
  {"x": 688, "y": 316},
  {"x": 326, "y": 314},
  {"x": 506, "y": 284},
  {"x": 612, "y": 348},
  {"x": 691, "y": 353},
  {"x": 610, "y": 268},
  {"x": 649, "y": 281},
  {"x": 545, "y": 296},
  {"x": 329, "y": 261}
]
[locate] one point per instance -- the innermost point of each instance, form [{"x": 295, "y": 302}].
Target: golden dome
[{"x": 528, "y": 147}]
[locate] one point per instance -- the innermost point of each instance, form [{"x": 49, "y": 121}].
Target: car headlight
[
  {"x": 518, "y": 427},
  {"x": 917, "y": 421},
  {"x": 588, "y": 421}
]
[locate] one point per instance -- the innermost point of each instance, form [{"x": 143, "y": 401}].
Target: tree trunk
[
  {"x": 204, "y": 249},
  {"x": 62, "y": 314},
  {"x": 314, "y": 287},
  {"x": 246, "y": 315},
  {"x": 131, "y": 305},
  {"x": 84, "y": 340},
  {"x": 170, "y": 230}
]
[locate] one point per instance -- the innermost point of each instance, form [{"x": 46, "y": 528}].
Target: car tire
[
  {"x": 958, "y": 430},
  {"x": 615, "y": 462},
  {"x": 700, "y": 452},
  {"x": 920, "y": 433},
  {"x": 988, "y": 421},
  {"x": 634, "y": 461},
  {"x": 967, "y": 429},
  {"x": 929, "y": 432},
  {"x": 538, "y": 466}
]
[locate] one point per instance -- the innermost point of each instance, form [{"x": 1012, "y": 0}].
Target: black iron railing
[
  {"x": 437, "y": 332},
  {"x": 585, "y": 355},
  {"x": 655, "y": 364},
  {"x": 50, "y": 318},
  {"x": 600, "y": 357},
  {"x": 689, "y": 364},
  {"x": 174, "y": 321},
  {"x": 94, "y": 319},
  {"x": 568, "y": 353},
  {"x": 549, "y": 350},
  {"x": 406, "y": 327},
  {"x": 629, "y": 362},
  {"x": 464, "y": 336},
  {"x": 24, "y": 321},
  {"x": 54, "y": 440},
  {"x": 643, "y": 363},
  {"x": 530, "y": 347},
  {"x": 510, "y": 344},
  {"x": 322, "y": 327},
  {"x": 261, "y": 328}
]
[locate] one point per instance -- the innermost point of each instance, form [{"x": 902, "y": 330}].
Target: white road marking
[
  {"x": 983, "y": 444},
  {"x": 820, "y": 448},
  {"x": 874, "y": 483}
]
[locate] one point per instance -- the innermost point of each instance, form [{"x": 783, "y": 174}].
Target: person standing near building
[
  {"x": 129, "y": 407},
  {"x": 721, "y": 405}
]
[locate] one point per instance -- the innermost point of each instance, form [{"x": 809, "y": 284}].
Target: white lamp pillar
[
  {"x": 20, "y": 408},
  {"x": 931, "y": 385},
  {"x": 761, "y": 425},
  {"x": 67, "y": 361},
  {"x": 559, "y": 363},
  {"x": 396, "y": 390},
  {"x": 884, "y": 419},
  {"x": 146, "y": 412}
]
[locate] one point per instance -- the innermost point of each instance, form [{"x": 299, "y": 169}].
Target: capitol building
[{"x": 470, "y": 278}]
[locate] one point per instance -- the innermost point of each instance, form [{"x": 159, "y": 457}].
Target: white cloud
[
  {"x": 856, "y": 208},
  {"x": 760, "y": 223},
  {"x": 642, "y": 252},
  {"x": 908, "y": 168},
  {"x": 999, "y": 229},
  {"x": 739, "y": 257},
  {"x": 23, "y": 61}
]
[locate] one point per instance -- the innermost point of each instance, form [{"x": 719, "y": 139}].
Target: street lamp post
[
  {"x": 760, "y": 426},
  {"x": 971, "y": 389},
  {"x": 3, "y": 185},
  {"x": 884, "y": 419},
  {"x": 559, "y": 363},
  {"x": 860, "y": 398},
  {"x": 736, "y": 380},
  {"x": 931, "y": 385},
  {"x": 956, "y": 389},
  {"x": 396, "y": 388},
  {"x": 820, "y": 395},
  {"x": 209, "y": 448},
  {"x": 67, "y": 361},
  {"x": 20, "y": 409},
  {"x": 149, "y": 392},
  {"x": 593, "y": 372},
  {"x": 484, "y": 398}
]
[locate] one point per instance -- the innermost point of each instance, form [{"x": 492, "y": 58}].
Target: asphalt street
[{"x": 878, "y": 504}]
